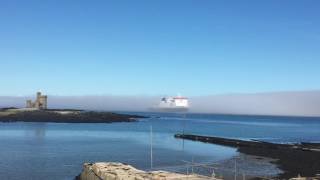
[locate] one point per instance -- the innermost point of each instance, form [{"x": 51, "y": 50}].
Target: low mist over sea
[{"x": 300, "y": 103}]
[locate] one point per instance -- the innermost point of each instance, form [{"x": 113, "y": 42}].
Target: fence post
[{"x": 235, "y": 168}]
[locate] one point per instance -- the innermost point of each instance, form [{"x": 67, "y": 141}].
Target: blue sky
[{"x": 158, "y": 47}]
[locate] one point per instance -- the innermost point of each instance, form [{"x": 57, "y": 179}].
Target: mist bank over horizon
[{"x": 295, "y": 103}]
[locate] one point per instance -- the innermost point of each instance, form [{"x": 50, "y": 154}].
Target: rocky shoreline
[
  {"x": 292, "y": 159},
  {"x": 64, "y": 116}
]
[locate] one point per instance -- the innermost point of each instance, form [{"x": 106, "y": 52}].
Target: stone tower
[
  {"x": 29, "y": 104},
  {"x": 40, "y": 103}
]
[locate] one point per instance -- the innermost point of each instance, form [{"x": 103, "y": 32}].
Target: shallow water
[{"x": 57, "y": 151}]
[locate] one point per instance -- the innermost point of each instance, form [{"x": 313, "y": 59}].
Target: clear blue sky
[{"x": 158, "y": 47}]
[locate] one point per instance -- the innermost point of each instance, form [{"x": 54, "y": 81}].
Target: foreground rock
[
  {"x": 63, "y": 116},
  {"x": 119, "y": 171}
]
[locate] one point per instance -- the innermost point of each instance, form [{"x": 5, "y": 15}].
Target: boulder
[{"x": 119, "y": 171}]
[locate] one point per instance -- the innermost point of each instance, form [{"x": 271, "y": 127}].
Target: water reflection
[
  {"x": 45, "y": 147},
  {"x": 40, "y": 131}
]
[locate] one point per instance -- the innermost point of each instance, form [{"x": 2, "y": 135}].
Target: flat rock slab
[{"x": 119, "y": 171}]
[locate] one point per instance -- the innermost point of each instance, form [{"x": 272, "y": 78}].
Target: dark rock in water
[{"x": 65, "y": 116}]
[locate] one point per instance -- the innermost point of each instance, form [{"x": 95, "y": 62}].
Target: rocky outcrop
[
  {"x": 119, "y": 171},
  {"x": 63, "y": 116}
]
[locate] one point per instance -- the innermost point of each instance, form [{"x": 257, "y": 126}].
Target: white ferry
[{"x": 177, "y": 103}]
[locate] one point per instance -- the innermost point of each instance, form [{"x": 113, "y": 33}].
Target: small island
[
  {"x": 63, "y": 116},
  {"x": 37, "y": 111}
]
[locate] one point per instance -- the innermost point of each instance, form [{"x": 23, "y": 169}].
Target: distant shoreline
[{"x": 63, "y": 116}]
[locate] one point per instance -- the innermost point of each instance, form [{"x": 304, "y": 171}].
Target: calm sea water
[{"x": 57, "y": 151}]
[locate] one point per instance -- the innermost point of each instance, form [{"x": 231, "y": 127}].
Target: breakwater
[{"x": 292, "y": 159}]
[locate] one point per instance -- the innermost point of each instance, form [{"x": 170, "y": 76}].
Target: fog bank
[{"x": 303, "y": 103}]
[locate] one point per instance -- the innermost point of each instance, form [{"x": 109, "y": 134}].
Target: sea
[{"x": 57, "y": 151}]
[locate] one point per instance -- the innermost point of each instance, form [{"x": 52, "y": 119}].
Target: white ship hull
[
  {"x": 173, "y": 104},
  {"x": 157, "y": 109}
]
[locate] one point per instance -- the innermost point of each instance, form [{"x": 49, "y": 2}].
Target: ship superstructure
[{"x": 174, "y": 103}]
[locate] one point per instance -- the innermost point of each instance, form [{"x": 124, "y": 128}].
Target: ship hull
[{"x": 175, "y": 109}]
